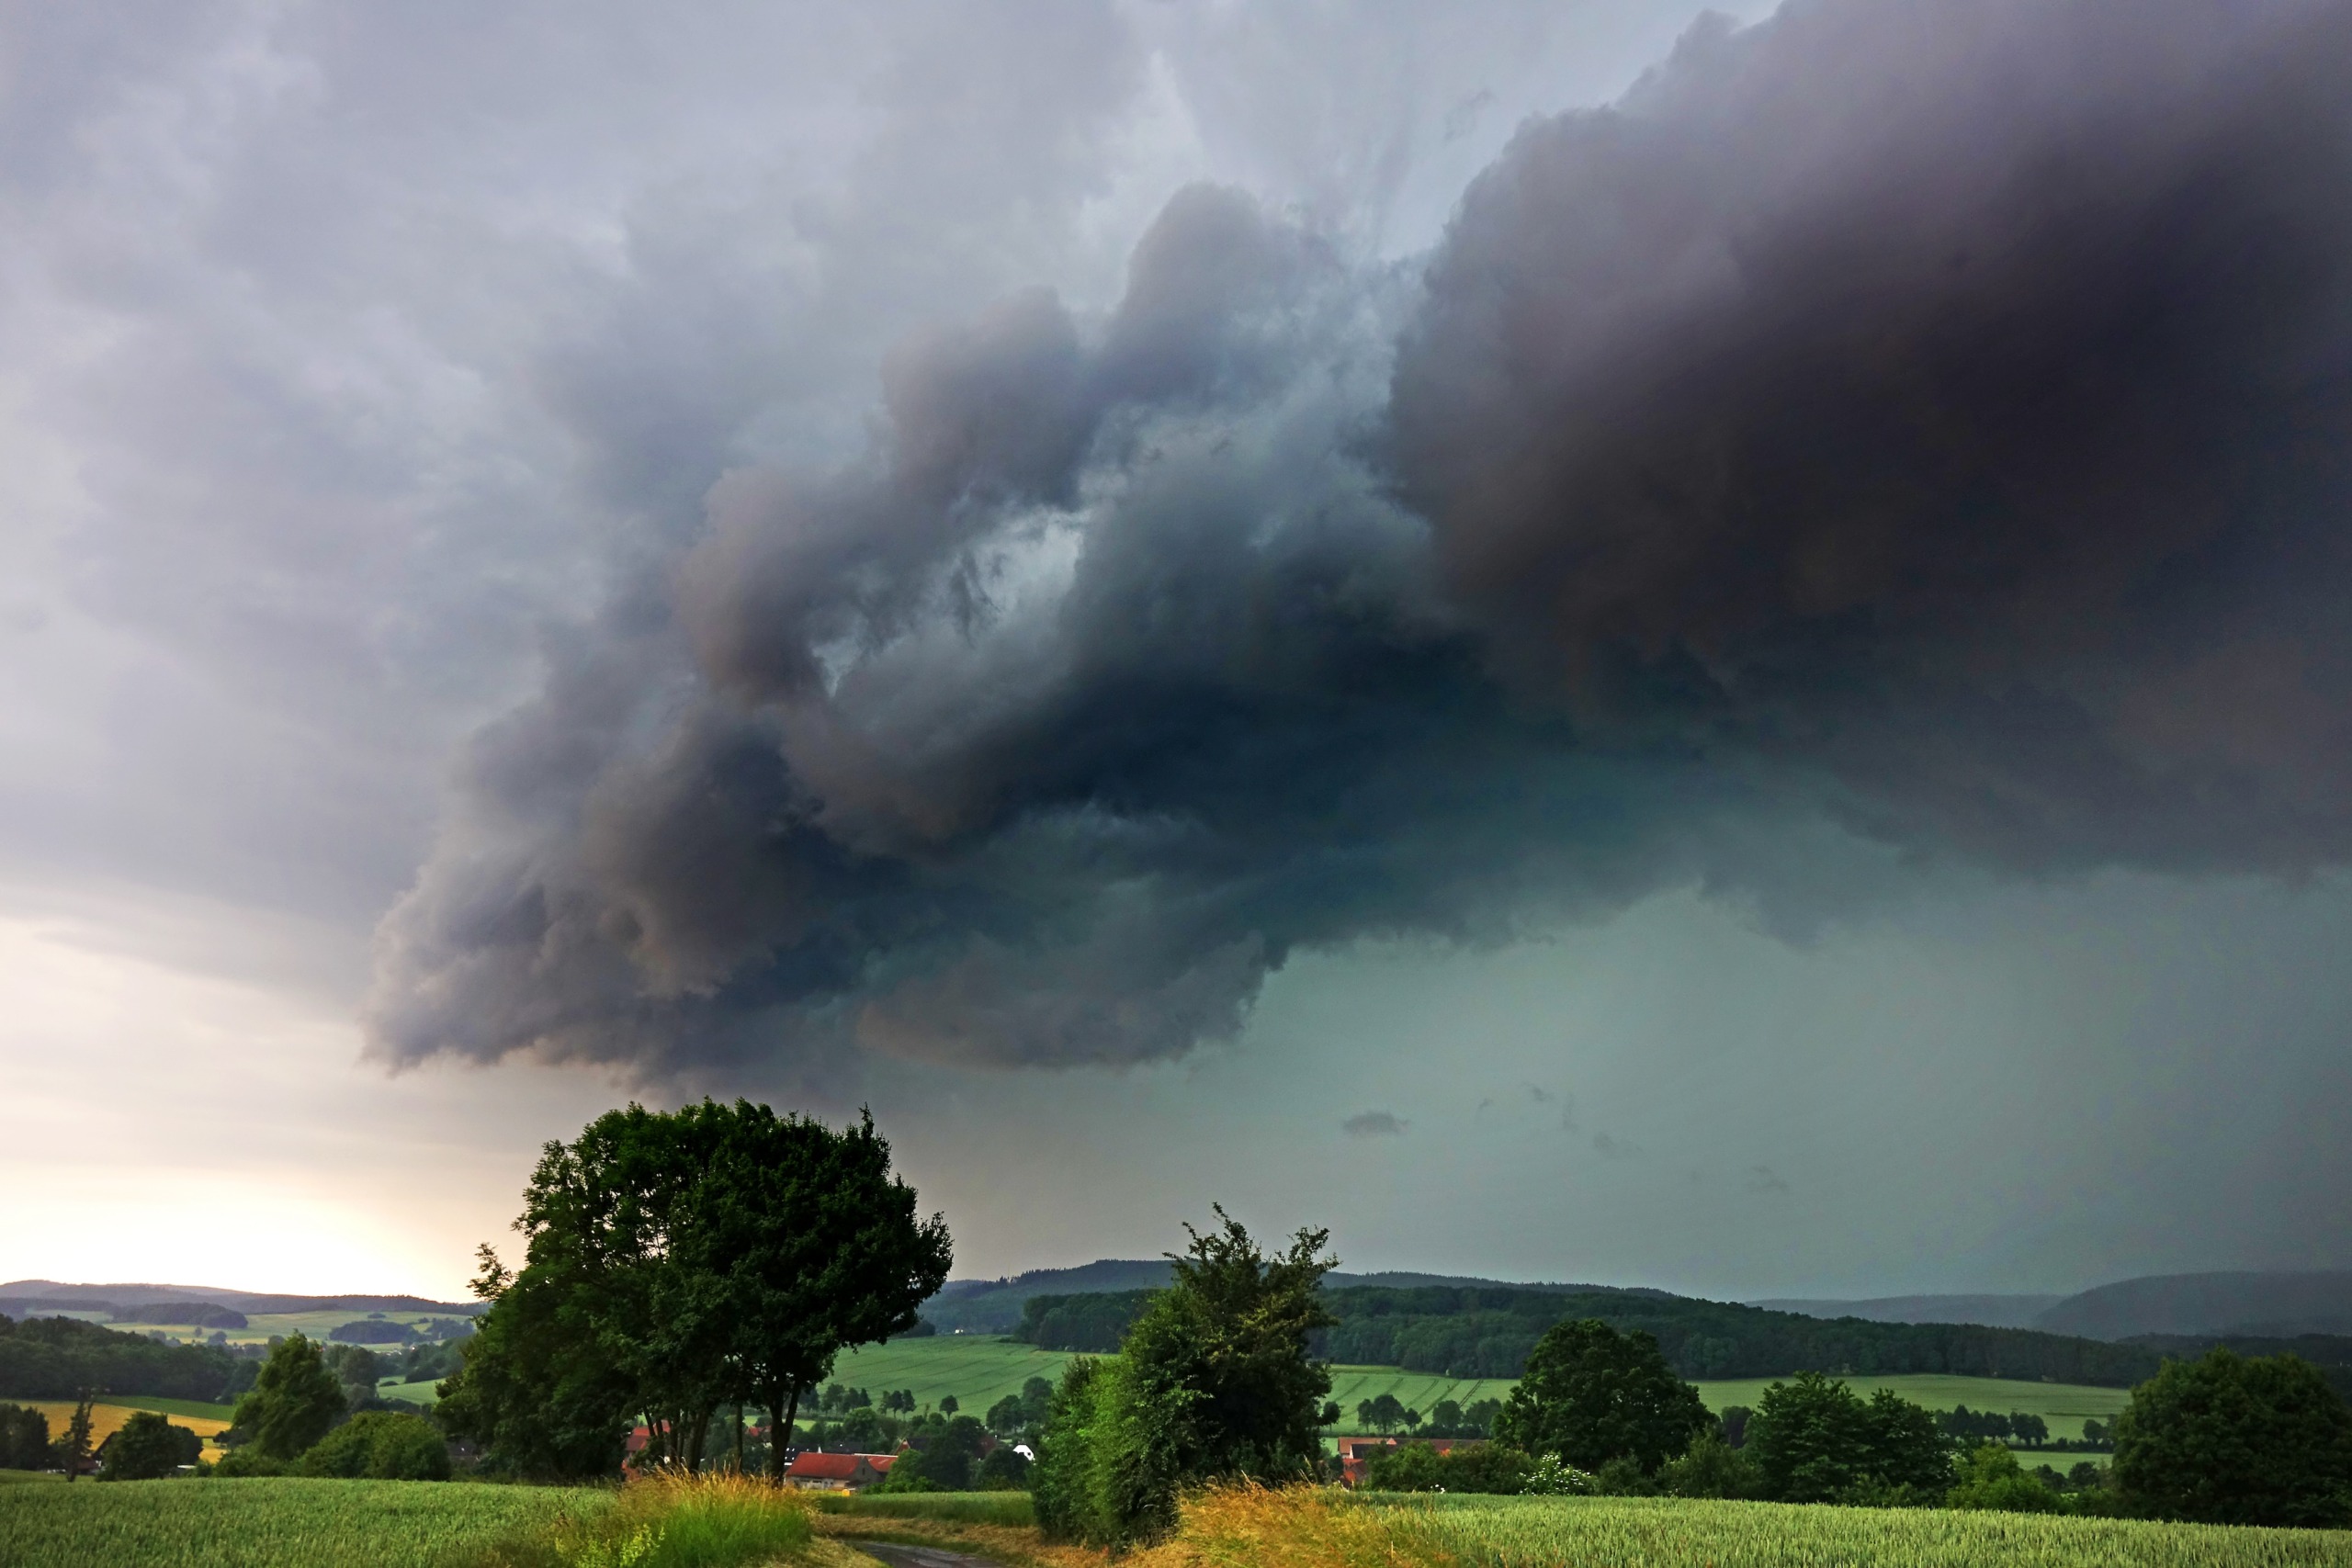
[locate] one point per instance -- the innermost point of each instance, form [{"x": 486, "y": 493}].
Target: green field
[
  {"x": 19, "y": 1477},
  {"x": 2065, "y": 1405},
  {"x": 266, "y": 1524},
  {"x": 260, "y": 1327},
  {"x": 1649, "y": 1532},
  {"x": 980, "y": 1369}
]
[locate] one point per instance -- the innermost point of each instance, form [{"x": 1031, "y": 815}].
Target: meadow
[{"x": 268, "y": 1524}]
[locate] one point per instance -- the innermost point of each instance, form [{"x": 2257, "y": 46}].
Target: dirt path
[{"x": 898, "y": 1556}]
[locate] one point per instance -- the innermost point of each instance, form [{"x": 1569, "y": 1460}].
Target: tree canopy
[
  {"x": 1592, "y": 1394},
  {"x": 1815, "y": 1440},
  {"x": 293, "y": 1402},
  {"x": 679, "y": 1262},
  {"x": 2237, "y": 1440}
]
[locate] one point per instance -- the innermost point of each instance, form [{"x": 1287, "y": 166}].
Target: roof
[{"x": 837, "y": 1467}]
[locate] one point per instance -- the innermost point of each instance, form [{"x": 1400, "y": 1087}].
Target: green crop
[
  {"x": 1624, "y": 1532},
  {"x": 268, "y": 1523}
]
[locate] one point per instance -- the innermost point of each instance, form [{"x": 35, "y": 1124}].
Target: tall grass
[
  {"x": 663, "y": 1521},
  {"x": 1239, "y": 1527}
]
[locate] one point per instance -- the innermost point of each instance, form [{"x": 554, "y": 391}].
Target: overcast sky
[{"x": 1582, "y": 642}]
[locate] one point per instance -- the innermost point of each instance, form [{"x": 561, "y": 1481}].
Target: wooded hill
[
  {"x": 55, "y": 1358},
  {"x": 1486, "y": 1332}
]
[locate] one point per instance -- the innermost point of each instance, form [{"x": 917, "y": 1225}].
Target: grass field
[
  {"x": 19, "y": 1477},
  {"x": 260, "y": 1327},
  {"x": 266, "y": 1524}
]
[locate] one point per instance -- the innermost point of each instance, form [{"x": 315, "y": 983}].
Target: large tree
[
  {"x": 2236, "y": 1441},
  {"x": 292, "y": 1404},
  {"x": 1592, "y": 1394},
  {"x": 680, "y": 1262}
]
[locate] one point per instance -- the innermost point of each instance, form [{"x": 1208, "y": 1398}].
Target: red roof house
[{"x": 837, "y": 1472}]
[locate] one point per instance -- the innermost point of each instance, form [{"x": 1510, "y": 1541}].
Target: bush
[
  {"x": 1213, "y": 1382},
  {"x": 2231, "y": 1440},
  {"x": 148, "y": 1447},
  {"x": 1990, "y": 1477},
  {"x": 1712, "y": 1468},
  {"x": 250, "y": 1461},
  {"x": 1493, "y": 1467},
  {"x": 380, "y": 1445},
  {"x": 1003, "y": 1471}
]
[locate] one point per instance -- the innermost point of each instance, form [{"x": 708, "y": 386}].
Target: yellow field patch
[{"x": 106, "y": 1420}]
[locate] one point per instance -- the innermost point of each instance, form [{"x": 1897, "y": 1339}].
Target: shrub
[
  {"x": 250, "y": 1461},
  {"x": 2231, "y": 1440},
  {"x": 1493, "y": 1467},
  {"x": 1712, "y": 1468},
  {"x": 1214, "y": 1381},
  {"x": 1991, "y": 1477},
  {"x": 380, "y": 1445}
]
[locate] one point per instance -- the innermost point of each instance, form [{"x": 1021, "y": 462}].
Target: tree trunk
[{"x": 739, "y": 1436}]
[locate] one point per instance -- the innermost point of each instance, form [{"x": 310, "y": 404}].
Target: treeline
[
  {"x": 1092, "y": 1325},
  {"x": 1490, "y": 1332},
  {"x": 55, "y": 1358},
  {"x": 2331, "y": 1353}
]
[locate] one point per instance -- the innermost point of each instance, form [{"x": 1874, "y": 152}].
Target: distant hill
[
  {"x": 2282, "y": 1305},
  {"x": 23, "y": 1298},
  {"x": 1992, "y": 1310},
  {"x": 994, "y": 1306}
]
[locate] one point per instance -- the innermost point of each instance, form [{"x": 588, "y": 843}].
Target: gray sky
[{"x": 1003, "y": 562}]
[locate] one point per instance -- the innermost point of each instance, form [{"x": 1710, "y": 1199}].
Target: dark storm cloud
[
  {"x": 1933, "y": 416},
  {"x": 1950, "y": 397}
]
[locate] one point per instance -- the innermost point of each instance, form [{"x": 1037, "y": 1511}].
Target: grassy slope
[{"x": 264, "y": 1524}]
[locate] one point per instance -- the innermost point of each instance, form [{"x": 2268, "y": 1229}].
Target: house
[{"x": 837, "y": 1472}]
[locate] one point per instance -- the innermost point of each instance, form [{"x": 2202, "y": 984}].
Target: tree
[
  {"x": 681, "y": 1262},
  {"x": 947, "y": 1405},
  {"x": 24, "y": 1438},
  {"x": 1384, "y": 1414},
  {"x": 1446, "y": 1417},
  {"x": 1482, "y": 1414},
  {"x": 355, "y": 1370},
  {"x": 1816, "y": 1441},
  {"x": 73, "y": 1447},
  {"x": 1412, "y": 1421},
  {"x": 1474, "y": 1467},
  {"x": 1733, "y": 1424},
  {"x": 947, "y": 1455},
  {"x": 148, "y": 1447},
  {"x": 293, "y": 1403},
  {"x": 2029, "y": 1429},
  {"x": 2237, "y": 1440},
  {"x": 1591, "y": 1394},
  {"x": 1215, "y": 1379}
]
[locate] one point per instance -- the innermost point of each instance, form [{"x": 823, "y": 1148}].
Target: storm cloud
[{"x": 1926, "y": 420}]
